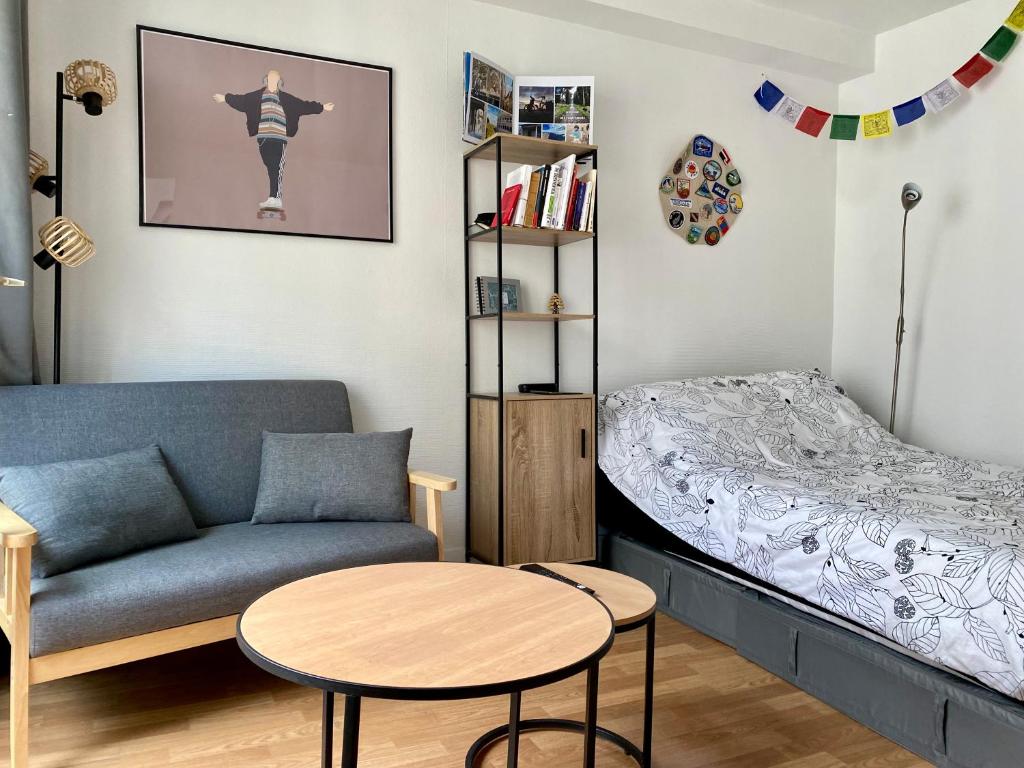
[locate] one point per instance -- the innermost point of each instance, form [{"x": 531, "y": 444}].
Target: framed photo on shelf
[
  {"x": 487, "y": 295},
  {"x": 251, "y": 139}
]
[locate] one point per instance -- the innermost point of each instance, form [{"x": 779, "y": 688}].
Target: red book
[
  {"x": 571, "y": 202},
  {"x": 509, "y": 198},
  {"x": 975, "y": 69}
]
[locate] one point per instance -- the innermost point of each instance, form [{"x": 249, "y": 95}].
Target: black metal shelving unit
[{"x": 518, "y": 149}]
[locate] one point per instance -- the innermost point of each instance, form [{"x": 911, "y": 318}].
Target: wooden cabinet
[{"x": 546, "y": 479}]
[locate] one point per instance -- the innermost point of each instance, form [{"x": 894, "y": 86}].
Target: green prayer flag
[
  {"x": 1000, "y": 44},
  {"x": 844, "y": 127}
]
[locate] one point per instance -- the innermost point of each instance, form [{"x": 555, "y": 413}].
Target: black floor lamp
[
  {"x": 910, "y": 197},
  {"x": 93, "y": 85}
]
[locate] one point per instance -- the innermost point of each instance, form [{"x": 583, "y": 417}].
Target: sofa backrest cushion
[{"x": 210, "y": 432}]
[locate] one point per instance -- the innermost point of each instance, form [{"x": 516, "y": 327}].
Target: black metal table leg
[
  {"x": 641, "y": 756},
  {"x": 350, "y": 738},
  {"x": 648, "y": 693},
  {"x": 515, "y": 707},
  {"x": 327, "y": 751},
  {"x": 590, "y": 728}
]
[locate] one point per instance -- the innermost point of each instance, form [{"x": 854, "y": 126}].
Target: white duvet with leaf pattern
[{"x": 784, "y": 477}]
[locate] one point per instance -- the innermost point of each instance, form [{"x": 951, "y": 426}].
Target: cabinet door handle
[{"x": 583, "y": 442}]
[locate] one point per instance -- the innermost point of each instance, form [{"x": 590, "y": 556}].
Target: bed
[{"x": 780, "y": 484}]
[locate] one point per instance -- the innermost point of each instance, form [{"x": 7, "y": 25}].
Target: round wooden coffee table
[
  {"x": 427, "y": 631},
  {"x": 632, "y": 605}
]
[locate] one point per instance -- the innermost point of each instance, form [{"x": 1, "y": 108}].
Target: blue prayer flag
[
  {"x": 768, "y": 95},
  {"x": 909, "y": 111}
]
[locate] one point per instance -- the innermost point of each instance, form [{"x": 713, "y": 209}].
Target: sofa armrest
[
  {"x": 434, "y": 485},
  {"x": 16, "y": 540},
  {"x": 430, "y": 480},
  {"x": 14, "y": 531}
]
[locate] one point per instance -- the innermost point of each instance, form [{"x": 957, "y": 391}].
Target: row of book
[{"x": 557, "y": 196}]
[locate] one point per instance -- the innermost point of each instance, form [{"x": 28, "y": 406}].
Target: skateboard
[{"x": 272, "y": 213}]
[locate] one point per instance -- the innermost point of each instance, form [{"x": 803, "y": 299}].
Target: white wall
[
  {"x": 387, "y": 319},
  {"x": 963, "y": 356}
]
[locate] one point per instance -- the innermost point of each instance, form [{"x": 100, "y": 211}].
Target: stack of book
[{"x": 557, "y": 196}]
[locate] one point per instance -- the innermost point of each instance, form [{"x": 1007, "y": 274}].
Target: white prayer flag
[
  {"x": 942, "y": 95},
  {"x": 790, "y": 110}
]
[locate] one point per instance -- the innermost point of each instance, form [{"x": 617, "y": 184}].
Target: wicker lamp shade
[
  {"x": 38, "y": 178},
  {"x": 37, "y": 166},
  {"x": 93, "y": 82},
  {"x": 63, "y": 242}
]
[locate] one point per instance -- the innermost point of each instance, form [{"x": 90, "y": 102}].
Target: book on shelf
[
  {"x": 556, "y": 196},
  {"x": 559, "y": 108},
  {"x": 509, "y": 201},
  {"x": 487, "y": 295}
]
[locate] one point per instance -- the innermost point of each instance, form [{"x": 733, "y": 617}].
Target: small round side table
[{"x": 632, "y": 605}]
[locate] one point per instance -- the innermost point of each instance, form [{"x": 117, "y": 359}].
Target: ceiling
[{"x": 868, "y": 15}]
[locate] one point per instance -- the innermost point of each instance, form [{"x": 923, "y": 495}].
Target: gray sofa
[{"x": 188, "y": 593}]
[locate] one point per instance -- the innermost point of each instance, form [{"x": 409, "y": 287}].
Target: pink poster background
[{"x": 201, "y": 168}]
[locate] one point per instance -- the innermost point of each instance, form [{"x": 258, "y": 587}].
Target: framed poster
[{"x": 251, "y": 139}]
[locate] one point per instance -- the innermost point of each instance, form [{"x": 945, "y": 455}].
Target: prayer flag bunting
[
  {"x": 877, "y": 125},
  {"x": 942, "y": 95},
  {"x": 975, "y": 69},
  {"x": 1016, "y": 19},
  {"x": 844, "y": 127},
  {"x": 1000, "y": 44},
  {"x": 909, "y": 111},
  {"x": 790, "y": 110},
  {"x": 812, "y": 121},
  {"x": 769, "y": 95}
]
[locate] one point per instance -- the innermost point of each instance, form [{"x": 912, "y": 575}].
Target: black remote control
[{"x": 540, "y": 570}]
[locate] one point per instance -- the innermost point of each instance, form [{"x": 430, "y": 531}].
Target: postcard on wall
[
  {"x": 559, "y": 108},
  {"x": 487, "y": 99}
]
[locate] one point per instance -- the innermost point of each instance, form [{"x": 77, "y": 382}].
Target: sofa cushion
[
  {"x": 343, "y": 476},
  {"x": 210, "y": 432},
  {"x": 95, "y": 509},
  {"x": 217, "y": 574}
]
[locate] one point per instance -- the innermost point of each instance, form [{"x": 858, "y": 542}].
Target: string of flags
[{"x": 876, "y": 125}]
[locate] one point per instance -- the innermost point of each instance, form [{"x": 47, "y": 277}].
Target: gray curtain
[{"x": 15, "y": 209}]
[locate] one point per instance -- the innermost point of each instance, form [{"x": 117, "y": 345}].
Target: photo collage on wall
[
  {"x": 557, "y": 108},
  {"x": 560, "y": 108},
  {"x": 488, "y": 99}
]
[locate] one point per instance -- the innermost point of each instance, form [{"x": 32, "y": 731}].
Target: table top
[
  {"x": 628, "y": 600},
  {"x": 425, "y": 631}
]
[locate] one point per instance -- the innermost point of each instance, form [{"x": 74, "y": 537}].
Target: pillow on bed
[{"x": 782, "y": 417}]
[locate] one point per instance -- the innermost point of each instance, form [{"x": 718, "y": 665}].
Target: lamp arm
[{"x": 900, "y": 326}]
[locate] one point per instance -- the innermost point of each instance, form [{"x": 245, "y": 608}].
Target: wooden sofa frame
[{"x": 17, "y": 538}]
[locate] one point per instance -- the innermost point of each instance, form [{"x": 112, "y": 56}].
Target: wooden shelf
[
  {"x": 548, "y": 238},
  {"x": 523, "y": 396},
  {"x": 532, "y": 317},
  {"x": 527, "y": 150}
]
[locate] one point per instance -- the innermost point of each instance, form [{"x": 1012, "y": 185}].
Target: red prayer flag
[
  {"x": 973, "y": 70},
  {"x": 812, "y": 121}
]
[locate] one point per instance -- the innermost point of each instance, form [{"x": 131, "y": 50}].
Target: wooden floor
[{"x": 211, "y": 707}]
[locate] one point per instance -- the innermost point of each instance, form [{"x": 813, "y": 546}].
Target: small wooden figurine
[{"x": 555, "y": 304}]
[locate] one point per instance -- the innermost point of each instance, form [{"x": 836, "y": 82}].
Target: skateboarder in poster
[{"x": 272, "y": 117}]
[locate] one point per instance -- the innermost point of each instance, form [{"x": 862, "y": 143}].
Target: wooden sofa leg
[{"x": 19, "y": 654}]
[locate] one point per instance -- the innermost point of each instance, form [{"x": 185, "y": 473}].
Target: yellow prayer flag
[
  {"x": 1016, "y": 19},
  {"x": 877, "y": 125}
]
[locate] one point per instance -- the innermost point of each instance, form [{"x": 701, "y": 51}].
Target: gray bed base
[{"x": 944, "y": 719}]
